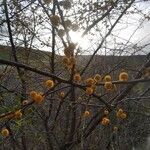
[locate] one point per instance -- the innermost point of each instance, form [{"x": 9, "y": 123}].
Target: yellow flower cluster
[
  {"x": 90, "y": 82},
  {"x": 121, "y": 114},
  {"x": 69, "y": 62},
  {"x": 108, "y": 85},
  {"x": 77, "y": 77},
  {"x": 37, "y": 97},
  {"x": 62, "y": 94},
  {"x": 89, "y": 91},
  {"x": 74, "y": 27},
  {"x": 5, "y": 132},
  {"x": 61, "y": 33},
  {"x": 107, "y": 78},
  {"x": 72, "y": 60},
  {"x": 67, "y": 23},
  {"x": 55, "y": 20},
  {"x": 105, "y": 121},
  {"x": 49, "y": 84},
  {"x": 69, "y": 59},
  {"x": 69, "y": 51},
  {"x": 66, "y": 60},
  {"x": 123, "y": 76},
  {"x": 97, "y": 78},
  {"x": 66, "y": 4},
  {"x": 18, "y": 114},
  {"x": 87, "y": 113}
]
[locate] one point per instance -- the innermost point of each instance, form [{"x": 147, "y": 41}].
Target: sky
[{"x": 122, "y": 32}]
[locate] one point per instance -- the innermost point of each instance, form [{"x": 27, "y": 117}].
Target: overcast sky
[{"x": 123, "y": 32}]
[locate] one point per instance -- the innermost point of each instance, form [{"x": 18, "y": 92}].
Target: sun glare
[{"x": 77, "y": 38}]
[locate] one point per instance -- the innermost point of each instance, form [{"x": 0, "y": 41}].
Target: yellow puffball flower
[
  {"x": 105, "y": 121},
  {"x": 62, "y": 94},
  {"x": 67, "y": 23},
  {"x": 120, "y": 110},
  {"x": 5, "y": 132},
  {"x": 72, "y": 46},
  {"x": 123, "y": 116},
  {"x": 120, "y": 114},
  {"x": 77, "y": 77},
  {"x": 90, "y": 82},
  {"x": 32, "y": 94},
  {"x": 97, "y": 78},
  {"x": 61, "y": 33},
  {"x": 18, "y": 114},
  {"x": 74, "y": 27},
  {"x": 55, "y": 20},
  {"x": 72, "y": 60},
  {"x": 107, "y": 78},
  {"x": 108, "y": 85},
  {"x": 68, "y": 52},
  {"x": 49, "y": 84},
  {"x": 86, "y": 113},
  {"x": 38, "y": 98},
  {"x": 89, "y": 91},
  {"x": 66, "y": 4},
  {"x": 123, "y": 76},
  {"x": 66, "y": 60}
]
